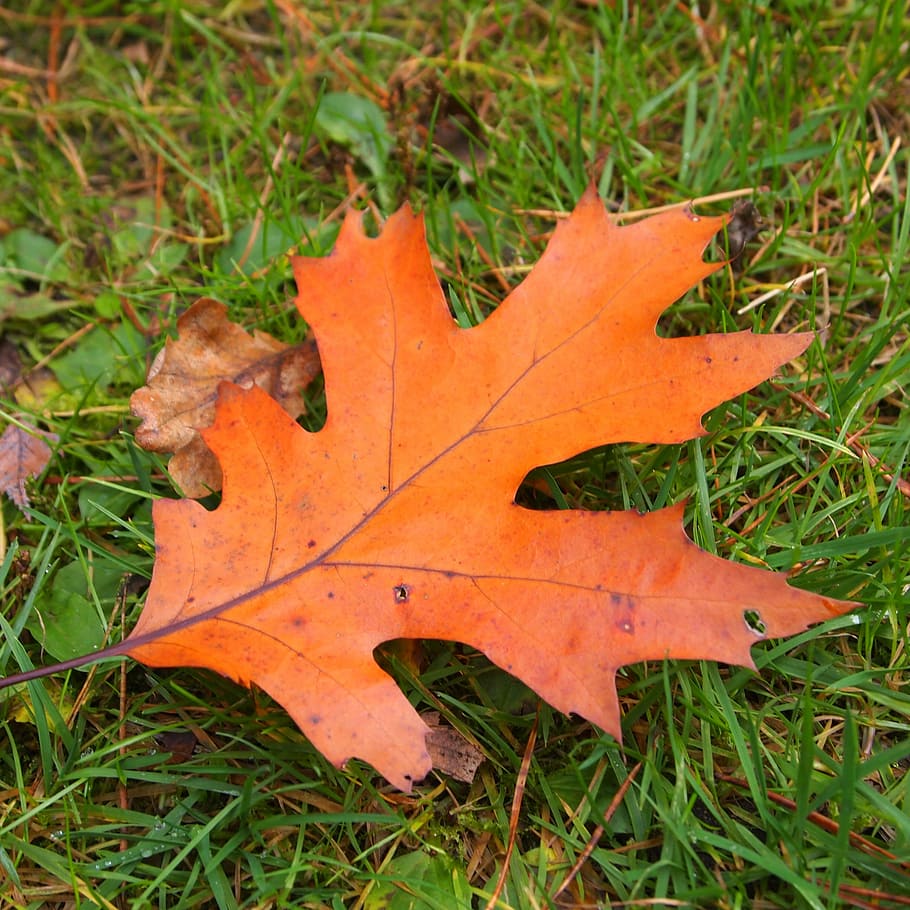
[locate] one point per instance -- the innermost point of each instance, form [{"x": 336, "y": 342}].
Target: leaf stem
[{"x": 116, "y": 650}]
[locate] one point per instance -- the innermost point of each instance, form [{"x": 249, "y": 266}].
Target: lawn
[{"x": 153, "y": 153}]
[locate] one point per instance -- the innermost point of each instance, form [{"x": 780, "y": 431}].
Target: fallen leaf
[
  {"x": 179, "y": 398},
  {"x": 23, "y": 454},
  {"x": 397, "y": 519},
  {"x": 10, "y": 365},
  {"x": 450, "y": 752},
  {"x": 180, "y": 743},
  {"x": 744, "y": 226}
]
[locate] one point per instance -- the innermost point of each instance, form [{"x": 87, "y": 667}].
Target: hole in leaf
[
  {"x": 371, "y": 227},
  {"x": 313, "y": 418},
  {"x": 211, "y": 502},
  {"x": 754, "y": 621}
]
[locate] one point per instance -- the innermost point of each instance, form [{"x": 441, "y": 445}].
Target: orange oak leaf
[
  {"x": 397, "y": 519},
  {"x": 180, "y": 396}
]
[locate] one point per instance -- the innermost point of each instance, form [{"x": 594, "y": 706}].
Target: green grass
[{"x": 133, "y": 184}]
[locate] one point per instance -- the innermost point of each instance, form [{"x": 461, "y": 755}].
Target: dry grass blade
[
  {"x": 598, "y": 831},
  {"x": 515, "y": 813}
]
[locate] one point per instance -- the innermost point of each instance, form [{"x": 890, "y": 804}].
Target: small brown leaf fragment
[
  {"x": 451, "y": 752},
  {"x": 180, "y": 743},
  {"x": 10, "y": 364},
  {"x": 23, "y": 454},
  {"x": 744, "y": 226},
  {"x": 179, "y": 397},
  {"x": 194, "y": 470}
]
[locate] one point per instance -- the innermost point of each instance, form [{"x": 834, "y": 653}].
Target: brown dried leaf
[
  {"x": 744, "y": 226},
  {"x": 23, "y": 454},
  {"x": 179, "y": 397},
  {"x": 452, "y": 753},
  {"x": 10, "y": 364}
]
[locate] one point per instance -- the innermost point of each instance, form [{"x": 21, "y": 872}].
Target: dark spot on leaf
[
  {"x": 624, "y": 612},
  {"x": 331, "y": 595},
  {"x": 315, "y": 718},
  {"x": 310, "y": 544},
  {"x": 709, "y": 359},
  {"x": 402, "y": 593}
]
